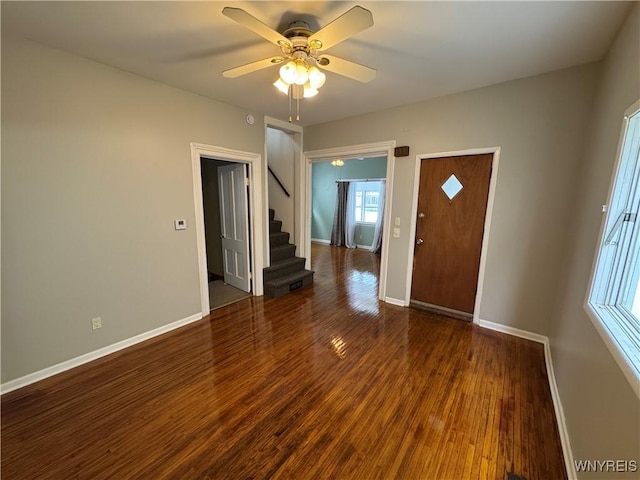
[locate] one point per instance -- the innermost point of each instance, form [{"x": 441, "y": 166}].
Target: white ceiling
[{"x": 420, "y": 49}]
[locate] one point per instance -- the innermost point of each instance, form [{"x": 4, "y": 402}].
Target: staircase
[{"x": 286, "y": 273}]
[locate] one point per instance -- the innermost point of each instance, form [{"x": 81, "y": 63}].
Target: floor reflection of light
[
  {"x": 339, "y": 346},
  {"x": 363, "y": 291},
  {"x": 366, "y": 278}
]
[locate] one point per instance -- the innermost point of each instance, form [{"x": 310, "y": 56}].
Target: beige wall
[
  {"x": 95, "y": 167},
  {"x": 280, "y": 157},
  {"x": 539, "y": 123},
  {"x": 602, "y": 412}
]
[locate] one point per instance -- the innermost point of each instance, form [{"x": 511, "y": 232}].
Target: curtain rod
[{"x": 361, "y": 180}]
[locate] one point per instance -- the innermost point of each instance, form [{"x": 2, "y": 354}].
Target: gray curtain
[
  {"x": 340, "y": 216},
  {"x": 377, "y": 233}
]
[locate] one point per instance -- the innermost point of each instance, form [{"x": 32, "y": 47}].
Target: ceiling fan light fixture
[
  {"x": 288, "y": 72},
  {"x": 281, "y": 85},
  {"x": 309, "y": 91},
  {"x": 302, "y": 72},
  {"x": 297, "y": 91},
  {"x": 316, "y": 78},
  {"x": 302, "y": 50}
]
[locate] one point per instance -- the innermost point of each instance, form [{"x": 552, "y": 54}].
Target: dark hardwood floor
[{"x": 324, "y": 383}]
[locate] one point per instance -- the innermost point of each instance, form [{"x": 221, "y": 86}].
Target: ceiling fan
[{"x": 302, "y": 48}]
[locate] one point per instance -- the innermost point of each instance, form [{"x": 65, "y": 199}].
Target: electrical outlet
[{"x": 96, "y": 323}]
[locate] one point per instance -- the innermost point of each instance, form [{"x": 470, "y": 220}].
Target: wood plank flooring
[{"x": 324, "y": 383}]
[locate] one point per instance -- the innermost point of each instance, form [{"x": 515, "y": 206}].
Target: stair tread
[
  {"x": 284, "y": 263},
  {"x": 278, "y": 234},
  {"x": 289, "y": 278},
  {"x": 286, "y": 246}
]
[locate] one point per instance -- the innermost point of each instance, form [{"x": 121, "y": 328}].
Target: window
[
  {"x": 367, "y": 198},
  {"x": 614, "y": 297}
]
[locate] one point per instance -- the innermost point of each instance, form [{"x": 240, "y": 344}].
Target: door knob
[
  {"x": 421, "y": 215},
  {"x": 419, "y": 241}
]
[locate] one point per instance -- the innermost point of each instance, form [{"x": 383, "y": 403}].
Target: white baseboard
[
  {"x": 88, "y": 357},
  {"x": 395, "y": 301},
  {"x": 328, "y": 242},
  {"x": 516, "y": 332},
  {"x": 553, "y": 387},
  {"x": 570, "y": 465}
]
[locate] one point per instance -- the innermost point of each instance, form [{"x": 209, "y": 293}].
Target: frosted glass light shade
[
  {"x": 316, "y": 78},
  {"x": 288, "y": 72},
  {"x": 297, "y": 91},
  {"x": 281, "y": 85},
  {"x": 309, "y": 91},
  {"x": 302, "y": 73}
]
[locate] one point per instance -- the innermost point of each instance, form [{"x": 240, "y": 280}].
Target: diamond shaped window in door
[{"x": 451, "y": 187}]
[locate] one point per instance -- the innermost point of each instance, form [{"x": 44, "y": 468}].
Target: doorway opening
[
  {"x": 245, "y": 165},
  {"x": 453, "y": 203},
  {"x": 347, "y": 214},
  {"x": 283, "y": 154},
  {"x": 227, "y": 233},
  {"x": 371, "y": 185}
]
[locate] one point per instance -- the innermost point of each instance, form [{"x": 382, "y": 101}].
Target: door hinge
[
  {"x": 246, "y": 182},
  {"x": 250, "y": 276}
]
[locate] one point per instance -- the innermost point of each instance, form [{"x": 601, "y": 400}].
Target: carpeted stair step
[
  {"x": 275, "y": 226},
  {"x": 284, "y": 267},
  {"x": 282, "y": 252},
  {"x": 278, "y": 238},
  {"x": 288, "y": 283},
  {"x": 286, "y": 273}
]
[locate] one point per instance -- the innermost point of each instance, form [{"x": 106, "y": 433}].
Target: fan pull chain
[
  {"x": 297, "y": 109},
  {"x": 290, "y": 95}
]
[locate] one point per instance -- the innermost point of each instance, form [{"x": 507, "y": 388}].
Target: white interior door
[{"x": 234, "y": 223}]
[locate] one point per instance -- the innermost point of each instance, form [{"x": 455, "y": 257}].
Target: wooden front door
[{"x": 452, "y": 203}]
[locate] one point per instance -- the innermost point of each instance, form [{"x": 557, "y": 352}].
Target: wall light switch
[
  {"x": 397, "y": 222},
  {"x": 396, "y": 233},
  {"x": 180, "y": 224}
]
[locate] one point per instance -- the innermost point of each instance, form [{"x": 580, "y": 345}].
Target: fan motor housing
[{"x": 298, "y": 29}]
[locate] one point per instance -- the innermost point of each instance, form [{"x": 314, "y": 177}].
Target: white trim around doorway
[
  {"x": 253, "y": 160},
  {"x": 487, "y": 219},
  {"x": 385, "y": 148}
]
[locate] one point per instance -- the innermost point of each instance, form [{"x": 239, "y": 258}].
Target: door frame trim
[
  {"x": 352, "y": 151},
  {"x": 257, "y": 235},
  {"x": 487, "y": 218}
]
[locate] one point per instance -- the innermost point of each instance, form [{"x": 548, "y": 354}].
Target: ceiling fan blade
[
  {"x": 252, "y": 67},
  {"x": 346, "y": 68},
  {"x": 348, "y": 24},
  {"x": 255, "y": 25}
]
